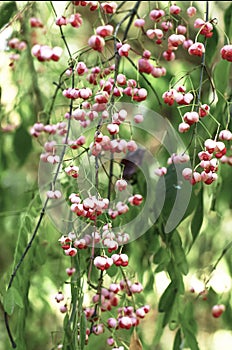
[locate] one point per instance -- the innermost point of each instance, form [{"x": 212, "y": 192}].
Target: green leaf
[
  {"x": 112, "y": 271},
  {"x": 219, "y": 79},
  {"x": 11, "y": 299},
  {"x": 211, "y": 47},
  {"x": 167, "y": 298},
  {"x": 150, "y": 284},
  {"x": 179, "y": 254},
  {"x": 7, "y": 10},
  {"x": 197, "y": 217},
  {"x": 22, "y": 144},
  {"x": 174, "y": 317},
  {"x": 190, "y": 339},
  {"x": 161, "y": 256},
  {"x": 177, "y": 340},
  {"x": 159, "y": 329},
  {"x": 189, "y": 326},
  {"x": 228, "y": 21},
  {"x": 82, "y": 331}
]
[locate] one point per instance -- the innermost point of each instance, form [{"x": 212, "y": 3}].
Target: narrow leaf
[
  {"x": 159, "y": 329},
  {"x": 22, "y": 144},
  {"x": 82, "y": 331},
  {"x": 211, "y": 48},
  {"x": 179, "y": 254},
  {"x": 177, "y": 341},
  {"x": 167, "y": 298},
  {"x": 161, "y": 256},
  {"x": 228, "y": 21},
  {"x": 135, "y": 343},
  {"x": 190, "y": 339},
  {"x": 197, "y": 217},
  {"x": 8, "y": 9},
  {"x": 11, "y": 299},
  {"x": 9, "y": 302}
]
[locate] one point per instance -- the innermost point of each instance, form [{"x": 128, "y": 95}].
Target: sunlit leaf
[{"x": 11, "y": 299}]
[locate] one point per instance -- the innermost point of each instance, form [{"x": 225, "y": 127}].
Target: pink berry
[
  {"x": 226, "y": 53},
  {"x": 139, "y": 22},
  {"x": 75, "y": 20},
  {"x": 59, "y": 297},
  {"x": 96, "y": 42},
  {"x": 138, "y": 118},
  {"x": 105, "y": 30},
  {"x": 131, "y": 146},
  {"x": 125, "y": 322},
  {"x": 187, "y": 173},
  {"x": 191, "y": 11},
  {"x": 161, "y": 171},
  {"x": 63, "y": 309},
  {"x": 204, "y": 110},
  {"x": 70, "y": 271},
  {"x": 121, "y": 185},
  {"x": 155, "y": 15},
  {"x": 217, "y": 310},
  {"x": 196, "y": 49},
  {"x": 124, "y": 50},
  {"x": 174, "y": 9},
  {"x": 191, "y": 117},
  {"x": 109, "y": 7},
  {"x": 183, "y": 127},
  {"x": 225, "y": 135},
  {"x": 112, "y": 322}
]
